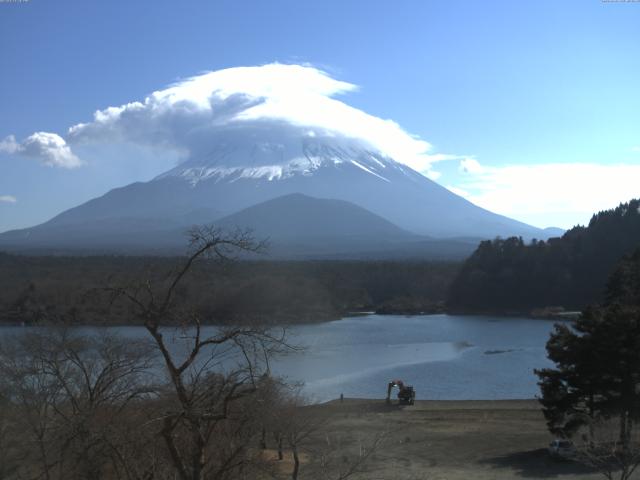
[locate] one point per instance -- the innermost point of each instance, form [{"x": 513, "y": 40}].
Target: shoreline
[
  {"x": 300, "y": 323},
  {"x": 498, "y": 404}
]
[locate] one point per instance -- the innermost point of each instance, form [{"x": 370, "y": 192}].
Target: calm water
[{"x": 443, "y": 356}]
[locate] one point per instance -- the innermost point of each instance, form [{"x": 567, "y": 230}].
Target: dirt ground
[{"x": 450, "y": 440}]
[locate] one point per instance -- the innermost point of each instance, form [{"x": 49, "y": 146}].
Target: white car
[{"x": 561, "y": 448}]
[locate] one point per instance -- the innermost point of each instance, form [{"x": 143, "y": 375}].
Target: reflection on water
[{"x": 443, "y": 356}]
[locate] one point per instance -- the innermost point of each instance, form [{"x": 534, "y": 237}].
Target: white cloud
[
  {"x": 190, "y": 116},
  {"x": 459, "y": 191},
  {"x": 441, "y": 157},
  {"x": 432, "y": 174},
  {"x": 8, "y": 199},
  {"x": 48, "y": 148},
  {"x": 560, "y": 193},
  {"x": 635, "y": 149},
  {"x": 424, "y": 162},
  {"x": 9, "y": 145},
  {"x": 470, "y": 165}
]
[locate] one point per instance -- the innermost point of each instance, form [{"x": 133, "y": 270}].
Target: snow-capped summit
[{"x": 281, "y": 153}]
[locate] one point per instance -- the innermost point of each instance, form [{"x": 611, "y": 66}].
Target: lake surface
[{"x": 445, "y": 357}]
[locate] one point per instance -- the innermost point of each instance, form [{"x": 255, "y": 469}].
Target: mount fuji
[
  {"x": 251, "y": 166},
  {"x": 248, "y": 136}
]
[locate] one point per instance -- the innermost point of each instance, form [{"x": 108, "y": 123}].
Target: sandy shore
[{"x": 438, "y": 440}]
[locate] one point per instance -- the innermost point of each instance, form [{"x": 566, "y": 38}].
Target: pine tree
[{"x": 597, "y": 373}]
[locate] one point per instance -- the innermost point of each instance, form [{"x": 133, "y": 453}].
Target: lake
[{"x": 445, "y": 357}]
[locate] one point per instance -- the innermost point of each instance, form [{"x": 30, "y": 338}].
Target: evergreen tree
[
  {"x": 597, "y": 373},
  {"x": 507, "y": 275}
]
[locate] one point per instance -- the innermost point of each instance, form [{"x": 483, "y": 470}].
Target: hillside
[
  {"x": 298, "y": 216},
  {"x": 509, "y": 275},
  {"x": 299, "y": 226}
]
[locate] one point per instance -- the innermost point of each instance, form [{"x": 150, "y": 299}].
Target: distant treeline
[
  {"x": 37, "y": 289},
  {"x": 502, "y": 276},
  {"x": 507, "y": 275}
]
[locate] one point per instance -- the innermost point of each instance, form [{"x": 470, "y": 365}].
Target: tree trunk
[
  {"x": 623, "y": 429},
  {"x": 296, "y": 462},
  {"x": 198, "y": 457},
  {"x": 263, "y": 439},
  {"x": 280, "y": 454}
]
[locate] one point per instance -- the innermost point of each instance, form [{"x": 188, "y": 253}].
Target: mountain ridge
[{"x": 276, "y": 162}]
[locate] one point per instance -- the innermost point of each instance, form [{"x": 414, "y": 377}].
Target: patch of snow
[
  {"x": 367, "y": 170},
  {"x": 269, "y": 171},
  {"x": 377, "y": 161},
  {"x": 277, "y": 155}
]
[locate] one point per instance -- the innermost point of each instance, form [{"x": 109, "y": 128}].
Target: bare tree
[
  {"x": 297, "y": 425},
  {"x": 67, "y": 395},
  {"x": 8, "y": 464},
  {"x": 315, "y": 452},
  {"x": 335, "y": 459},
  {"x": 192, "y": 402},
  {"x": 598, "y": 445},
  {"x": 209, "y": 370}
]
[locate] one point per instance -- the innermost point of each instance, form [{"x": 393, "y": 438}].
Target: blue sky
[{"x": 536, "y": 104}]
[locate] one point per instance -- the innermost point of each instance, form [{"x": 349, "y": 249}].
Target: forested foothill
[
  {"x": 511, "y": 276},
  {"x": 46, "y": 289}
]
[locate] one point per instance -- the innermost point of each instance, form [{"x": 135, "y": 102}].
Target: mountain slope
[
  {"x": 299, "y": 226},
  {"x": 296, "y": 227},
  {"x": 250, "y": 166},
  {"x": 297, "y": 217}
]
